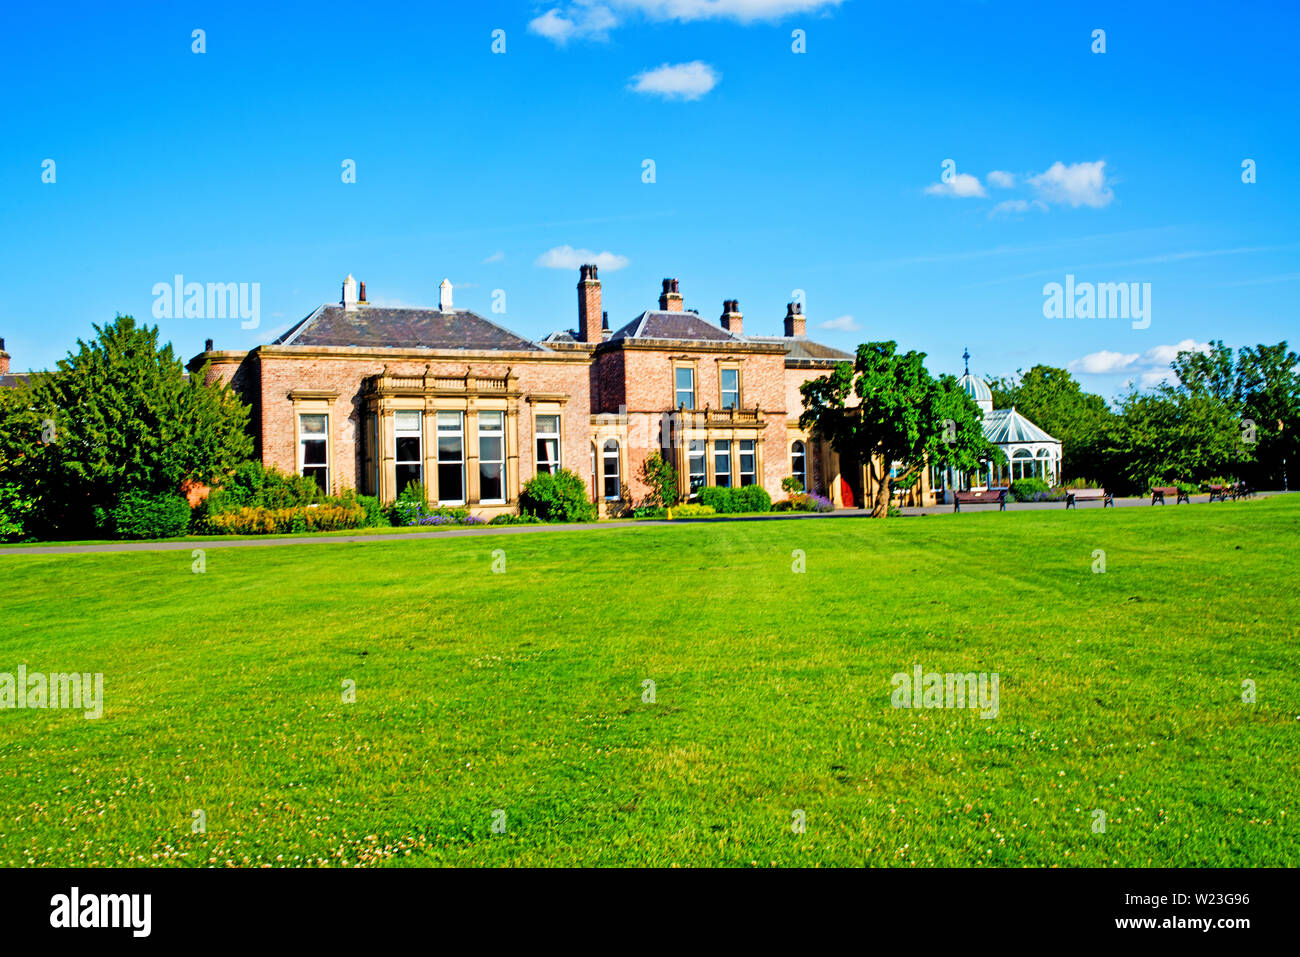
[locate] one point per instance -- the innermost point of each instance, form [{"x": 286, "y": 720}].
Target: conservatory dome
[{"x": 978, "y": 390}]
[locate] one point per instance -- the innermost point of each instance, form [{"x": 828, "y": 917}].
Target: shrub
[
  {"x": 412, "y": 505},
  {"x": 649, "y": 511},
  {"x": 257, "y": 520},
  {"x": 142, "y": 515},
  {"x": 561, "y": 497},
  {"x": 1025, "y": 489},
  {"x": 791, "y": 485},
  {"x": 798, "y": 502},
  {"x": 658, "y": 473},
  {"x": 376, "y": 516},
  {"x": 753, "y": 498},
  {"x": 507, "y": 519},
  {"x": 15, "y": 507},
  {"x": 692, "y": 510},
  {"x": 251, "y": 485},
  {"x": 732, "y": 501}
]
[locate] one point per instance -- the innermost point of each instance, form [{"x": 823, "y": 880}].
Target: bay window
[{"x": 408, "y": 461}]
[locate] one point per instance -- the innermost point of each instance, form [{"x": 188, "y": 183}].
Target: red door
[{"x": 846, "y": 493}]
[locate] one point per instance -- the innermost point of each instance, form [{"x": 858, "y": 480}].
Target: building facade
[{"x": 373, "y": 398}]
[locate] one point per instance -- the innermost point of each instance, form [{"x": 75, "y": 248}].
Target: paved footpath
[{"x": 377, "y": 538}]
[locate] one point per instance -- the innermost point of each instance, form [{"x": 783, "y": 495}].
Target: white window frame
[
  {"x": 723, "y": 391},
  {"x": 697, "y": 450},
  {"x": 605, "y": 457},
  {"x": 324, "y": 437},
  {"x": 801, "y": 457},
  {"x": 416, "y": 433},
  {"x": 538, "y": 436},
  {"x": 740, "y": 462},
  {"x": 458, "y": 432},
  {"x": 678, "y": 390},
  {"x": 721, "y": 447},
  {"x": 492, "y": 433}
]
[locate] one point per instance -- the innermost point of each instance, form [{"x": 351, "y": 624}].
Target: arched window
[
  {"x": 1044, "y": 465},
  {"x": 609, "y": 459},
  {"x": 799, "y": 463},
  {"x": 1022, "y": 464}
]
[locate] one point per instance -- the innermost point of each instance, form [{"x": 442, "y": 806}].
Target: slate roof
[
  {"x": 1009, "y": 427},
  {"x": 797, "y": 347},
  {"x": 687, "y": 326},
  {"x": 14, "y": 381},
  {"x": 376, "y": 327}
]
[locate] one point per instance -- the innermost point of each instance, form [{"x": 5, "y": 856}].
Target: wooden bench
[
  {"x": 1221, "y": 492},
  {"x": 1075, "y": 496},
  {"x": 1158, "y": 495},
  {"x": 992, "y": 496}
]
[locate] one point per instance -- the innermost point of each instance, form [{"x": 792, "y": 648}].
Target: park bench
[
  {"x": 992, "y": 496},
  {"x": 1242, "y": 490},
  {"x": 1221, "y": 492},
  {"x": 1074, "y": 496},
  {"x": 1158, "y": 495}
]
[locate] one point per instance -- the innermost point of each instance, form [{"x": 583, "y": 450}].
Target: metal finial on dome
[{"x": 966, "y": 358}]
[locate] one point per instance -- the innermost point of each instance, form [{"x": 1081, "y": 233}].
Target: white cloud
[
  {"x": 677, "y": 81},
  {"x": 1079, "y": 184},
  {"x": 1018, "y": 206},
  {"x": 843, "y": 324},
  {"x": 588, "y": 21},
  {"x": 1104, "y": 362},
  {"x": 1001, "y": 179},
  {"x": 566, "y": 257},
  {"x": 962, "y": 185},
  {"x": 1153, "y": 365},
  {"x": 496, "y": 257},
  {"x": 593, "y": 19}
]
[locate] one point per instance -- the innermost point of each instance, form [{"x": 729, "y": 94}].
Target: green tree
[
  {"x": 116, "y": 417},
  {"x": 1268, "y": 394},
  {"x": 1176, "y": 434},
  {"x": 660, "y": 477},
  {"x": 886, "y": 408}
]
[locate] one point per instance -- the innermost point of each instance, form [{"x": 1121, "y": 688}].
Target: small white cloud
[
  {"x": 962, "y": 186},
  {"x": 1079, "y": 184},
  {"x": 842, "y": 323},
  {"x": 1104, "y": 362},
  {"x": 1163, "y": 355},
  {"x": 677, "y": 81},
  {"x": 566, "y": 257},
  {"x": 593, "y": 19},
  {"x": 1001, "y": 179},
  {"x": 1010, "y": 206},
  {"x": 496, "y": 257}
]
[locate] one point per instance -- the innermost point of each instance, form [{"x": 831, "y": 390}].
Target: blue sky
[{"x": 774, "y": 170}]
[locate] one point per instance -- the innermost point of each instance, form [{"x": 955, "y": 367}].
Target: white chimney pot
[{"x": 444, "y": 296}]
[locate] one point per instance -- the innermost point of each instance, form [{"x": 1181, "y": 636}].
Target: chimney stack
[
  {"x": 361, "y": 300},
  {"x": 731, "y": 317},
  {"x": 670, "y": 300},
  {"x": 4, "y": 359},
  {"x": 589, "y": 312},
  {"x": 794, "y": 320},
  {"x": 604, "y": 326},
  {"x": 349, "y": 293},
  {"x": 444, "y": 296},
  {"x": 207, "y": 345}
]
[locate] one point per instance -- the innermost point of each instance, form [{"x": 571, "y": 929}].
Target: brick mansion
[{"x": 373, "y": 398}]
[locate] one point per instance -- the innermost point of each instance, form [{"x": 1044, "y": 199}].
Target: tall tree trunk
[{"x": 880, "y": 488}]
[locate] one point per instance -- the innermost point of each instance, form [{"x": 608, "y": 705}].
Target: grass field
[{"x": 522, "y": 691}]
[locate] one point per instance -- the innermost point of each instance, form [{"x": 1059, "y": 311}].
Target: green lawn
[{"x": 522, "y": 691}]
